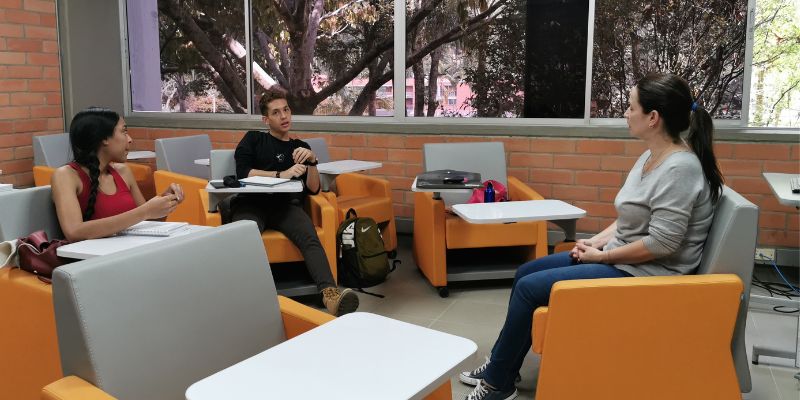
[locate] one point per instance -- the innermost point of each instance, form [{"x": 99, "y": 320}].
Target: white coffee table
[
  {"x": 560, "y": 213},
  {"x": 330, "y": 170},
  {"x": 217, "y": 195},
  {"x": 779, "y": 183},
  {"x": 99, "y": 247},
  {"x": 141, "y": 155},
  {"x": 356, "y": 356}
]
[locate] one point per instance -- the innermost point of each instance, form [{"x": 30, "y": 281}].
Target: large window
[{"x": 555, "y": 59}]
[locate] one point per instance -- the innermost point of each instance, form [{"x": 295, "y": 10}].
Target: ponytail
[{"x": 700, "y": 139}]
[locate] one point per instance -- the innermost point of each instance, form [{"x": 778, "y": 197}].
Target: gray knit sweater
[{"x": 669, "y": 209}]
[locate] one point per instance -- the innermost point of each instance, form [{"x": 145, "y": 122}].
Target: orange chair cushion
[
  {"x": 377, "y": 208},
  {"x": 460, "y": 234},
  {"x": 280, "y": 248}
]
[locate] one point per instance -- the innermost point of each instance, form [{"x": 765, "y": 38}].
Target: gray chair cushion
[
  {"x": 52, "y": 150},
  {"x": 730, "y": 249},
  {"x": 320, "y": 148},
  {"x": 489, "y": 159},
  {"x": 148, "y": 322},
  {"x": 28, "y": 210},
  {"x": 222, "y": 163},
  {"x": 178, "y": 155}
]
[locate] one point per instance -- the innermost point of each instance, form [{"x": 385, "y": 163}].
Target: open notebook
[{"x": 154, "y": 228}]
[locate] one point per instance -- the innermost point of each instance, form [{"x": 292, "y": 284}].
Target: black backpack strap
[
  {"x": 394, "y": 265},
  {"x": 353, "y": 211},
  {"x": 369, "y": 293}
]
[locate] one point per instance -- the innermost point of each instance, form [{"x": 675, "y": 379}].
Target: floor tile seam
[{"x": 449, "y": 306}]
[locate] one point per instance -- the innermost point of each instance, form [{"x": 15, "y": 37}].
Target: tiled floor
[{"x": 477, "y": 310}]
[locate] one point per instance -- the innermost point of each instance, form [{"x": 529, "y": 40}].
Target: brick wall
[
  {"x": 585, "y": 172},
  {"x": 30, "y": 83}
]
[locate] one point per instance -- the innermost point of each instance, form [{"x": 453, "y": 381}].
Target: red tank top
[{"x": 105, "y": 205}]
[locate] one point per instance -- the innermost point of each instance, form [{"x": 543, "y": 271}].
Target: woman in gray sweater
[{"x": 664, "y": 212}]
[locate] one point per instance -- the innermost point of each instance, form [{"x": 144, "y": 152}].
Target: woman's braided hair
[{"x": 87, "y": 131}]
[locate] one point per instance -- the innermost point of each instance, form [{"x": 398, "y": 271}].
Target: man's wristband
[
  {"x": 311, "y": 163},
  {"x": 277, "y": 174}
]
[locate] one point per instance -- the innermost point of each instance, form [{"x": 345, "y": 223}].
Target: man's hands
[
  {"x": 302, "y": 154},
  {"x": 295, "y": 171}
]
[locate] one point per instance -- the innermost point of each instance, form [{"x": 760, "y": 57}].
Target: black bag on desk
[
  {"x": 361, "y": 258},
  {"x": 449, "y": 179}
]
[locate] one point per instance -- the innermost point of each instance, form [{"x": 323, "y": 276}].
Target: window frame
[{"x": 400, "y": 123}]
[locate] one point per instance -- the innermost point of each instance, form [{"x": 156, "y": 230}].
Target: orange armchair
[
  {"x": 191, "y": 210},
  {"x": 436, "y": 231},
  {"x": 369, "y": 196},
  {"x": 639, "y": 338}
]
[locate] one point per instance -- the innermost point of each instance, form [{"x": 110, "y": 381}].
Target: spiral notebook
[{"x": 154, "y": 228}]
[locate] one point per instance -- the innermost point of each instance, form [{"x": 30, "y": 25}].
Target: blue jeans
[{"x": 531, "y": 289}]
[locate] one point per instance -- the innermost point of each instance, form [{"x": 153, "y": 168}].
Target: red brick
[
  {"x": 400, "y": 183},
  {"x": 48, "y": 7},
  {"x": 14, "y": 85},
  {"x": 579, "y": 162},
  {"x": 7, "y": 154},
  {"x": 598, "y": 178},
  {"x": 4, "y": 99},
  {"x": 43, "y": 59},
  {"x": 778, "y": 238},
  {"x": 391, "y": 169},
  {"x": 608, "y": 194},
  {"x": 605, "y": 147},
  {"x": 544, "y": 189},
  {"x": 635, "y": 148},
  {"x": 25, "y": 45},
  {"x": 617, "y": 163},
  {"x": 541, "y": 145},
  {"x": 731, "y": 168},
  {"x": 572, "y": 192},
  {"x": 22, "y": 17},
  {"x": 348, "y": 140},
  {"x": 367, "y": 154},
  {"x": 23, "y": 180},
  {"x": 339, "y": 153},
  {"x": 6, "y": 127},
  {"x": 14, "y": 112},
  {"x": 786, "y": 167},
  {"x": 53, "y": 98},
  {"x": 23, "y": 152},
  {"x": 515, "y": 144},
  {"x": 44, "y": 85},
  {"x": 3, "y": 45},
  {"x": 771, "y": 220},
  {"x": 55, "y": 125},
  {"x": 560, "y": 176},
  {"x": 40, "y": 32},
  {"x": 51, "y": 73},
  {"x": 392, "y": 141},
  {"x": 12, "y": 57},
  {"x": 27, "y": 99},
  {"x": 11, "y": 30},
  {"x": 523, "y": 174},
  {"x": 46, "y": 111},
  {"x": 795, "y": 152},
  {"x": 416, "y": 141},
  {"x": 408, "y": 156},
  {"x": 10, "y": 4},
  {"x": 595, "y": 209},
  {"x": 723, "y": 150},
  {"x": 530, "y": 160},
  {"x": 222, "y": 136},
  {"x": 50, "y": 46},
  {"x": 16, "y": 166},
  {"x": 749, "y": 185},
  {"x": 793, "y": 222},
  {"x": 23, "y": 71},
  {"x": 589, "y": 225},
  {"x": 413, "y": 169},
  {"x": 48, "y": 20},
  {"x": 761, "y": 151},
  {"x": 30, "y": 125}
]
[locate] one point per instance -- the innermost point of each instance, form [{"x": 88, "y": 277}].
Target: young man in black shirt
[{"x": 274, "y": 154}]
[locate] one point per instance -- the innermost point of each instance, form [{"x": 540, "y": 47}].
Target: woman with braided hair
[{"x": 96, "y": 194}]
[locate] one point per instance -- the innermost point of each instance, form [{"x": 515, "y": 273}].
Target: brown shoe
[{"x": 339, "y": 302}]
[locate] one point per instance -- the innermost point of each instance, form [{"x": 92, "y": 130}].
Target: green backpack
[{"x": 361, "y": 258}]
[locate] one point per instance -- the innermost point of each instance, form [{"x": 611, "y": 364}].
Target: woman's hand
[
  {"x": 588, "y": 254},
  {"x": 175, "y": 189},
  {"x": 302, "y": 154},
  {"x": 574, "y": 253},
  {"x": 160, "y": 206},
  {"x": 295, "y": 171}
]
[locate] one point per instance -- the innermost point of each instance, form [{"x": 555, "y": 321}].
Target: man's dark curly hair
[{"x": 271, "y": 94}]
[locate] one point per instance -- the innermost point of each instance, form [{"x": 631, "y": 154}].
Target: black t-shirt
[{"x": 260, "y": 150}]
